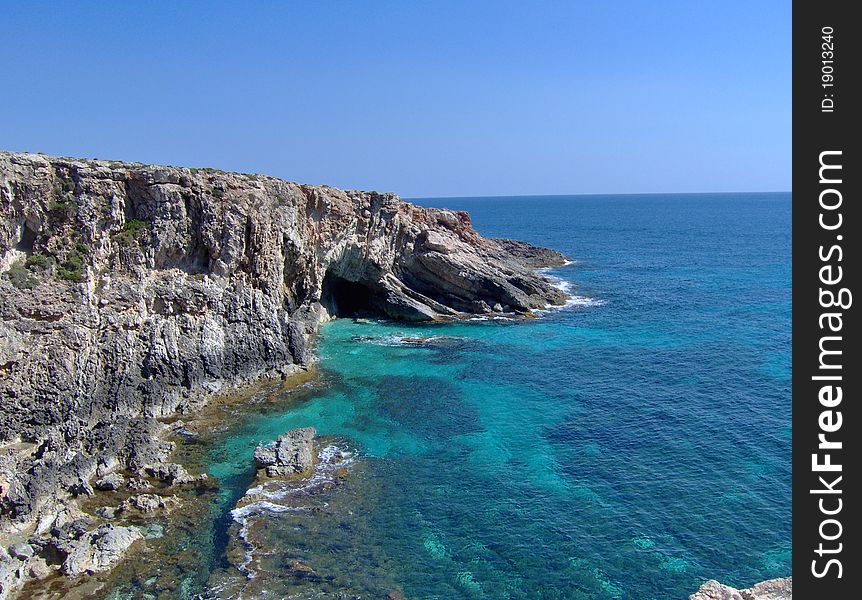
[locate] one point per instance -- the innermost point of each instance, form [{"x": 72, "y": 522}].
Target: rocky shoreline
[
  {"x": 131, "y": 294},
  {"x": 773, "y": 589}
]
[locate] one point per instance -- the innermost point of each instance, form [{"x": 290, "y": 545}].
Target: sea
[{"x": 630, "y": 445}]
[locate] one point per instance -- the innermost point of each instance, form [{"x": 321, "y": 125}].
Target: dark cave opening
[
  {"x": 28, "y": 239},
  {"x": 343, "y": 298}
]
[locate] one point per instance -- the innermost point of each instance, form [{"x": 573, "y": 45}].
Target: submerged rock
[
  {"x": 773, "y": 589},
  {"x": 282, "y": 570},
  {"x": 296, "y": 568},
  {"x": 151, "y": 502}
]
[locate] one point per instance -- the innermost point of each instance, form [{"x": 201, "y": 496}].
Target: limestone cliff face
[{"x": 128, "y": 292}]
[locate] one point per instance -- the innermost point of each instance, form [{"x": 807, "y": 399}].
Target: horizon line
[
  {"x": 402, "y": 196},
  {"x": 589, "y": 194}
]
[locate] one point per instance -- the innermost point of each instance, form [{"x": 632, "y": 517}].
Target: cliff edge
[{"x": 130, "y": 292}]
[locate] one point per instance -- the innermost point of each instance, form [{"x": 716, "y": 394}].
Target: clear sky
[{"x": 421, "y": 98}]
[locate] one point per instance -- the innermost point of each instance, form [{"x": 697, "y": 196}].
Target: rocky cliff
[{"x": 129, "y": 292}]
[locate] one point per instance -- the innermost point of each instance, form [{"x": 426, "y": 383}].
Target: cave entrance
[
  {"x": 27, "y": 241},
  {"x": 343, "y": 298}
]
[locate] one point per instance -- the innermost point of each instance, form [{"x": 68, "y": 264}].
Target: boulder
[
  {"x": 171, "y": 473},
  {"x": 291, "y": 454},
  {"x": 109, "y": 512},
  {"x": 110, "y": 482},
  {"x": 100, "y": 549},
  {"x": 38, "y": 568},
  {"x": 293, "y": 450},
  {"x": 21, "y": 550},
  {"x": 11, "y": 574},
  {"x": 264, "y": 456},
  {"x": 151, "y": 502}
]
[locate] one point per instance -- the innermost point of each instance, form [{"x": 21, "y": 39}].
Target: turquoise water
[{"x": 629, "y": 446}]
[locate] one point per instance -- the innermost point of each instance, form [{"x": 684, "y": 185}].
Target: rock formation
[
  {"x": 101, "y": 549},
  {"x": 73, "y": 548},
  {"x": 774, "y": 589},
  {"x": 130, "y": 293},
  {"x": 290, "y": 455},
  {"x": 298, "y": 477}
]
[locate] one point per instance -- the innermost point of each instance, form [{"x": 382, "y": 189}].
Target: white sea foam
[
  {"x": 240, "y": 514},
  {"x": 561, "y": 284},
  {"x": 566, "y": 287},
  {"x": 573, "y": 300},
  {"x": 329, "y": 460},
  {"x": 329, "y": 454},
  {"x": 568, "y": 263},
  {"x": 401, "y": 340}
]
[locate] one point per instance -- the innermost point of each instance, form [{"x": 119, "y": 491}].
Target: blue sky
[{"x": 420, "y": 98}]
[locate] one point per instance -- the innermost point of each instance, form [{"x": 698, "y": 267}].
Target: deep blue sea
[{"x": 629, "y": 446}]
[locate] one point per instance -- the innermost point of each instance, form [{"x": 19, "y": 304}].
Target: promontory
[{"x": 131, "y": 293}]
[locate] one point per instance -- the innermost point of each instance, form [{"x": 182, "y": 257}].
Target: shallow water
[{"x": 628, "y": 446}]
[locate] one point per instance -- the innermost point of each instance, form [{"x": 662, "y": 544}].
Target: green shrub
[
  {"x": 131, "y": 232},
  {"x": 38, "y": 261},
  {"x": 72, "y": 269},
  {"x": 64, "y": 194},
  {"x": 63, "y": 185},
  {"x": 20, "y": 277},
  {"x": 66, "y": 203},
  {"x": 134, "y": 226}
]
